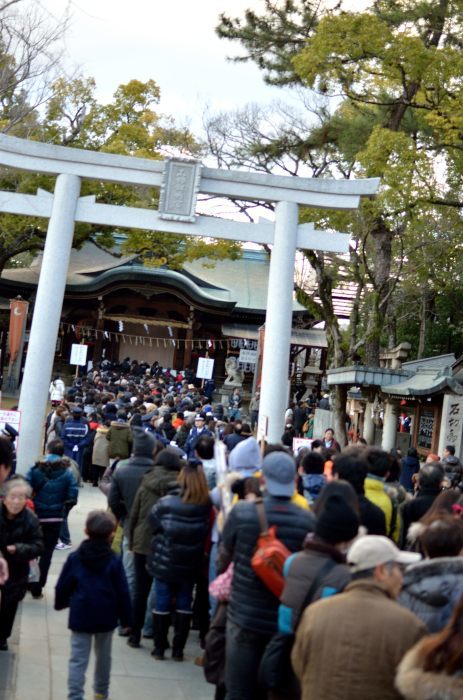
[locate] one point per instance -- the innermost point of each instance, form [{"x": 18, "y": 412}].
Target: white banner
[
  {"x": 78, "y": 354},
  {"x": 13, "y": 418},
  {"x": 300, "y": 443},
  {"x": 205, "y": 368},
  {"x": 247, "y": 357}
]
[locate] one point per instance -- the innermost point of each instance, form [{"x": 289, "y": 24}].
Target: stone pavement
[{"x": 40, "y": 646}]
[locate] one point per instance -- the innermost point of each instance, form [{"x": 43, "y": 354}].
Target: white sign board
[
  {"x": 78, "y": 354},
  {"x": 247, "y": 356},
  {"x": 451, "y": 432},
  {"x": 262, "y": 427},
  {"x": 13, "y": 418},
  {"x": 300, "y": 443},
  {"x": 205, "y": 368}
]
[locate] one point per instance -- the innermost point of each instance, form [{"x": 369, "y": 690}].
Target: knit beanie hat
[
  {"x": 143, "y": 443},
  {"x": 169, "y": 459},
  {"x": 338, "y": 522},
  {"x": 245, "y": 457}
]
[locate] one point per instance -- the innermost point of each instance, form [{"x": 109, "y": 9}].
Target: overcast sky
[{"x": 171, "y": 41}]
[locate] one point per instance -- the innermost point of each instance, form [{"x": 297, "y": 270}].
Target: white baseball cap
[{"x": 370, "y": 551}]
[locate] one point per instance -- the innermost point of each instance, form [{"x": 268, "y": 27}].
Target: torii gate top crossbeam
[
  {"x": 179, "y": 184},
  {"x": 48, "y": 158}
]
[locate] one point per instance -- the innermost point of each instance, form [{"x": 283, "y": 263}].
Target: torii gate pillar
[
  {"x": 47, "y": 314},
  {"x": 278, "y": 323}
]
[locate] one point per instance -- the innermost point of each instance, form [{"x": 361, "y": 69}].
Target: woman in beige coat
[
  {"x": 100, "y": 453},
  {"x": 433, "y": 668}
]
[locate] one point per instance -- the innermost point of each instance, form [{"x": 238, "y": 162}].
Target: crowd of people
[{"x": 333, "y": 573}]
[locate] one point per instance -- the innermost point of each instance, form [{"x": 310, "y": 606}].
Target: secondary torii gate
[{"x": 180, "y": 181}]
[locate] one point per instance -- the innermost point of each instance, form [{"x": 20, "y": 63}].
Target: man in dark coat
[
  {"x": 129, "y": 473},
  {"x": 452, "y": 466},
  {"x": 300, "y": 415},
  {"x": 430, "y": 478},
  {"x": 124, "y": 485},
  {"x": 237, "y": 436},
  {"x": 350, "y": 467},
  {"x": 76, "y": 436},
  {"x": 198, "y": 429},
  {"x": 253, "y": 609}
]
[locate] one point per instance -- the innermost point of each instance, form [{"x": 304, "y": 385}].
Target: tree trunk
[
  {"x": 391, "y": 327},
  {"x": 423, "y": 319},
  {"x": 334, "y": 336},
  {"x": 339, "y": 413},
  {"x": 379, "y": 273},
  {"x": 354, "y": 321}
]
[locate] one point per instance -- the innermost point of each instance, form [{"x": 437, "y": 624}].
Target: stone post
[
  {"x": 391, "y": 413},
  {"x": 278, "y": 323},
  {"x": 46, "y": 319},
  {"x": 369, "y": 424}
]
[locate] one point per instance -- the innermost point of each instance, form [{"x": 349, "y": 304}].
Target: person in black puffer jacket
[
  {"x": 20, "y": 541},
  {"x": 253, "y": 609},
  {"x": 55, "y": 492},
  {"x": 180, "y": 523}
]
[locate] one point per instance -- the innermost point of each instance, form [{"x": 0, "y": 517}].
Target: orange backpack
[{"x": 270, "y": 555}]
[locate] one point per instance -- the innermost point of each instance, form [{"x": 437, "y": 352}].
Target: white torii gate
[{"x": 180, "y": 181}]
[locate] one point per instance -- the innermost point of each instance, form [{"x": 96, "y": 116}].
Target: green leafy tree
[
  {"x": 392, "y": 74},
  {"x": 395, "y": 66},
  {"x": 389, "y": 90}
]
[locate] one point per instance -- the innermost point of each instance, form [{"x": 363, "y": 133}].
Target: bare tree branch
[{"x": 31, "y": 53}]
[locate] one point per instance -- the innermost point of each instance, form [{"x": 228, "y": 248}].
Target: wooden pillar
[
  {"x": 189, "y": 338},
  {"x": 99, "y": 327},
  {"x": 188, "y": 347}
]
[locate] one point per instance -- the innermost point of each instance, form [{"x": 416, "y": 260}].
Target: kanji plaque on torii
[{"x": 177, "y": 215}]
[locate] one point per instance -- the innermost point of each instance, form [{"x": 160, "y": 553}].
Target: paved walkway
[{"x": 42, "y": 651}]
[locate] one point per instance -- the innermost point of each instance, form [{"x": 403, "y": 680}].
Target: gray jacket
[
  {"x": 124, "y": 485},
  {"x": 432, "y": 588}
]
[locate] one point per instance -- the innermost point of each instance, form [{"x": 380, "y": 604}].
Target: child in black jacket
[{"x": 93, "y": 585}]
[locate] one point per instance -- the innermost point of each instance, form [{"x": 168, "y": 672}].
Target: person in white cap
[{"x": 348, "y": 647}]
